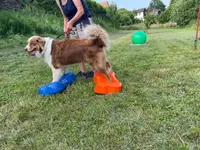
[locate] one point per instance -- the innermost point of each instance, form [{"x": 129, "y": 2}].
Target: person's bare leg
[{"x": 82, "y": 67}]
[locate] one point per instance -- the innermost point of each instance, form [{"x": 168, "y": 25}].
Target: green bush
[
  {"x": 126, "y": 17},
  {"x": 149, "y": 20}
]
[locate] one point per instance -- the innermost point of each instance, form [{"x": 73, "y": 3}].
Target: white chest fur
[{"x": 46, "y": 53}]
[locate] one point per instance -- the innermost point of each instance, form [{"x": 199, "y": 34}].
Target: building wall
[{"x": 140, "y": 16}]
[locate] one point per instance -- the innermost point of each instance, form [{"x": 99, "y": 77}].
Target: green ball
[{"x": 139, "y": 37}]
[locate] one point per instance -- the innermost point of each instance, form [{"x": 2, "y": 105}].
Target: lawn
[{"x": 158, "y": 108}]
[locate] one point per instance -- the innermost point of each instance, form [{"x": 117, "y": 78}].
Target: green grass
[{"x": 158, "y": 108}]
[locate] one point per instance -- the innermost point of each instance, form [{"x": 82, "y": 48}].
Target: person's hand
[{"x": 67, "y": 27}]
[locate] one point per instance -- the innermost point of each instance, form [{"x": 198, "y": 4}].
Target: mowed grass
[{"x": 158, "y": 108}]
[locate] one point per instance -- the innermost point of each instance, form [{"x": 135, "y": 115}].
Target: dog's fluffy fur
[{"x": 58, "y": 54}]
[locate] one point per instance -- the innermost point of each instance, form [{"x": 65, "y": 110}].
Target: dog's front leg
[{"x": 57, "y": 73}]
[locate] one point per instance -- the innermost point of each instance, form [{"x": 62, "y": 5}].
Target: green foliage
[
  {"x": 172, "y": 2},
  {"x": 180, "y": 11},
  {"x": 113, "y": 15},
  {"x": 24, "y": 22},
  {"x": 164, "y": 17},
  {"x": 126, "y": 17},
  {"x": 12, "y": 24},
  {"x": 149, "y": 20},
  {"x": 156, "y": 4},
  {"x": 183, "y": 11},
  {"x": 106, "y": 17},
  {"x": 49, "y": 6},
  {"x": 96, "y": 9}
]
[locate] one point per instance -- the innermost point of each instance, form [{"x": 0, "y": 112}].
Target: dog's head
[{"x": 35, "y": 45}]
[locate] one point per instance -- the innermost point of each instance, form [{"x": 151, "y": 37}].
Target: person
[{"x": 76, "y": 17}]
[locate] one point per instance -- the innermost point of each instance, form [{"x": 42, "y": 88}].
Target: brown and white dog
[{"x": 58, "y": 54}]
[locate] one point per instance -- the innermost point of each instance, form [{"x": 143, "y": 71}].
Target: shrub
[
  {"x": 126, "y": 17},
  {"x": 149, "y": 20}
]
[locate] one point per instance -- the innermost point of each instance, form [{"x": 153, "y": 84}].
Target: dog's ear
[
  {"x": 41, "y": 43},
  {"x": 40, "y": 40}
]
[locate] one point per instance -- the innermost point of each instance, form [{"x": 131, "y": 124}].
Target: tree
[
  {"x": 112, "y": 14},
  {"x": 182, "y": 11},
  {"x": 164, "y": 17},
  {"x": 172, "y": 2},
  {"x": 156, "y": 4}
]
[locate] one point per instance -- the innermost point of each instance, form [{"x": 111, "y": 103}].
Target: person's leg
[
  {"x": 75, "y": 35},
  {"x": 82, "y": 67},
  {"x": 81, "y": 35}
]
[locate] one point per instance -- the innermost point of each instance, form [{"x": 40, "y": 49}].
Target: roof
[
  {"x": 141, "y": 10},
  {"x": 104, "y": 4},
  {"x": 156, "y": 11}
]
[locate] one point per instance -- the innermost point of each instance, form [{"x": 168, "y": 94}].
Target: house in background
[
  {"x": 104, "y": 4},
  {"x": 141, "y": 13},
  {"x": 156, "y": 12}
]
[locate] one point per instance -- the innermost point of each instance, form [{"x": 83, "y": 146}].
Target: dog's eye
[{"x": 32, "y": 44}]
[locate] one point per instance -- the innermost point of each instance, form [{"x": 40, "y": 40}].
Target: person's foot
[
  {"x": 85, "y": 75},
  {"x": 81, "y": 75},
  {"x": 89, "y": 74}
]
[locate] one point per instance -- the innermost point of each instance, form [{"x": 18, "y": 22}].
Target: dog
[{"x": 58, "y": 54}]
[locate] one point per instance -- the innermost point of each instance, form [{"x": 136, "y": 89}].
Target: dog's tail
[{"x": 98, "y": 35}]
